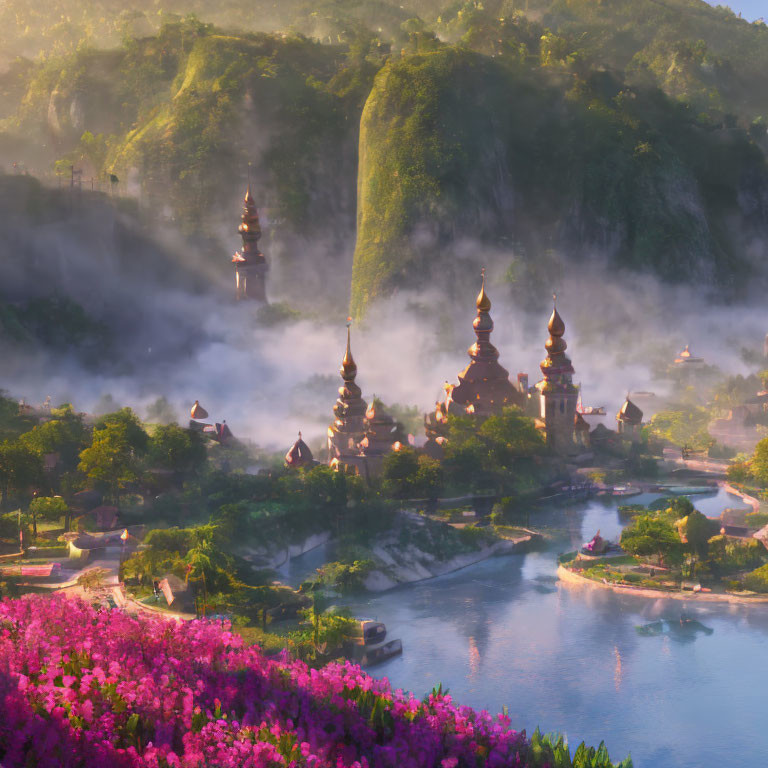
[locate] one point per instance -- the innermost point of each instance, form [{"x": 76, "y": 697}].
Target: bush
[
  {"x": 346, "y": 577},
  {"x": 757, "y": 580}
]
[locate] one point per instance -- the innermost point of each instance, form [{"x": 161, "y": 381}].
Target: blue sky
[{"x": 749, "y": 9}]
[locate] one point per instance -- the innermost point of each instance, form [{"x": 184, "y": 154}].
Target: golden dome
[
  {"x": 483, "y": 302},
  {"x": 556, "y": 326}
]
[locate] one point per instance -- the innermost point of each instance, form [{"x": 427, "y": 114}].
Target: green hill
[{"x": 528, "y": 133}]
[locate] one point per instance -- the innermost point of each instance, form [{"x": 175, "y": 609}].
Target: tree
[
  {"x": 651, "y": 535},
  {"x": 698, "y": 530},
  {"x": 111, "y": 460},
  {"x": 20, "y": 468},
  {"x": 511, "y": 435},
  {"x": 65, "y": 435},
  {"x": 399, "y": 472},
  {"x": 759, "y": 462},
  {"x": 683, "y": 427},
  {"x": 48, "y": 508},
  {"x": 135, "y": 435},
  {"x": 408, "y": 475},
  {"x": 177, "y": 449}
]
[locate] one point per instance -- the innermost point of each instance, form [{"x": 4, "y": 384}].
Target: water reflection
[{"x": 505, "y": 632}]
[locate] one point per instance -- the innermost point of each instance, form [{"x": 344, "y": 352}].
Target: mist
[{"x": 178, "y": 333}]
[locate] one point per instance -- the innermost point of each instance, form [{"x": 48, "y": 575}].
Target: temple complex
[
  {"x": 299, "y": 456},
  {"x": 630, "y": 420},
  {"x": 557, "y": 391},
  {"x": 484, "y": 387},
  {"x": 348, "y": 428},
  {"x": 250, "y": 264}
]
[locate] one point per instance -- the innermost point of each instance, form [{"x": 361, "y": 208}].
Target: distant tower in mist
[
  {"x": 558, "y": 393},
  {"x": 250, "y": 264},
  {"x": 765, "y": 346}
]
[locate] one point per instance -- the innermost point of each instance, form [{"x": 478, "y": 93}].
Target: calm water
[{"x": 567, "y": 659}]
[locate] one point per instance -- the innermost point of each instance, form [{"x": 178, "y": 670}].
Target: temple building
[
  {"x": 250, "y": 264},
  {"x": 300, "y": 456},
  {"x": 630, "y": 420},
  {"x": 558, "y": 394},
  {"x": 349, "y": 424},
  {"x": 685, "y": 361},
  {"x": 484, "y": 387}
]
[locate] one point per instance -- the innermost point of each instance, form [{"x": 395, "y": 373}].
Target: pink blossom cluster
[{"x": 87, "y": 687}]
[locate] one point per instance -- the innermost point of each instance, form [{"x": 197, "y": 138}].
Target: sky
[{"x": 749, "y": 9}]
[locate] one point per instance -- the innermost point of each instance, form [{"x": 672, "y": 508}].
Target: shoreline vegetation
[{"x": 571, "y": 578}]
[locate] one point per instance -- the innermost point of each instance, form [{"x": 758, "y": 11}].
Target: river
[{"x": 570, "y": 659}]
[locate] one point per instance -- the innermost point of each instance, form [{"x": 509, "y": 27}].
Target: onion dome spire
[
  {"x": 557, "y": 368},
  {"x": 483, "y": 302},
  {"x": 348, "y": 368}
]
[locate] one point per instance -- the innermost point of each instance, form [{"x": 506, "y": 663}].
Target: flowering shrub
[{"x": 102, "y": 689}]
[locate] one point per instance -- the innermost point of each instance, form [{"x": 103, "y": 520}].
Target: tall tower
[
  {"x": 348, "y": 427},
  {"x": 484, "y": 387},
  {"x": 558, "y": 393},
  {"x": 250, "y": 264}
]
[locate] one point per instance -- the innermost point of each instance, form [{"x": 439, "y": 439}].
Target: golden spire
[
  {"x": 348, "y": 365},
  {"x": 556, "y": 326},
  {"x": 483, "y": 302}
]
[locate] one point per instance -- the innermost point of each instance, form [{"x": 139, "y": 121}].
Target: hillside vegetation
[{"x": 528, "y": 134}]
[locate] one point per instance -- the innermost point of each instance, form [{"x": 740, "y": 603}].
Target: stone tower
[
  {"x": 558, "y": 393},
  {"x": 484, "y": 387},
  {"x": 250, "y": 264},
  {"x": 349, "y": 423}
]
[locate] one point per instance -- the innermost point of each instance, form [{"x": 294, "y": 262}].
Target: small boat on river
[{"x": 369, "y": 645}]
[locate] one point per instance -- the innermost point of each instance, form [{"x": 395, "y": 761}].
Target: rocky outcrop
[{"x": 412, "y": 564}]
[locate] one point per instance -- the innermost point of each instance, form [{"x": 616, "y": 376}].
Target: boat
[
  {"x": 688, "y": 490},
  {"x": 368, "y": 644},
  {"x": 623, "y": 490}
]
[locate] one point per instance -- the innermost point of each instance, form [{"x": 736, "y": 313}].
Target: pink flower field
[{"x": 87, "y": 687}]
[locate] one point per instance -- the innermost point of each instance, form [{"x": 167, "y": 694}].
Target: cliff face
[
  {"x": 626, "y": 134},
  {"x": 456, "y": 146}
]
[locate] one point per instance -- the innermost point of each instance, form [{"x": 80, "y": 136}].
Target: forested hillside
[{"x": 426, "y": 138}]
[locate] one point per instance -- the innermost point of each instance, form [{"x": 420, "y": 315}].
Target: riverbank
[
  {"x": 568, "y": 576},
  {"x": 411, "y": 565}
]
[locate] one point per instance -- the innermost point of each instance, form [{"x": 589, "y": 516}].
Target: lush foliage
[
  {"x": 682, "y": 427},
  {"x": 87, "y": 687},
  {"x": 652, "y": 535}
]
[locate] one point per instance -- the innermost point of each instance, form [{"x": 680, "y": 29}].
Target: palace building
[{"x": 484, "y": 387}]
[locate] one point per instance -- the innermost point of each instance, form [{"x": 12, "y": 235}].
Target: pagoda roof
[
  {"x": 198, "y": 412},
  {"x": 630, "y": 413},
  {"x": 299, "y": 454}
]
